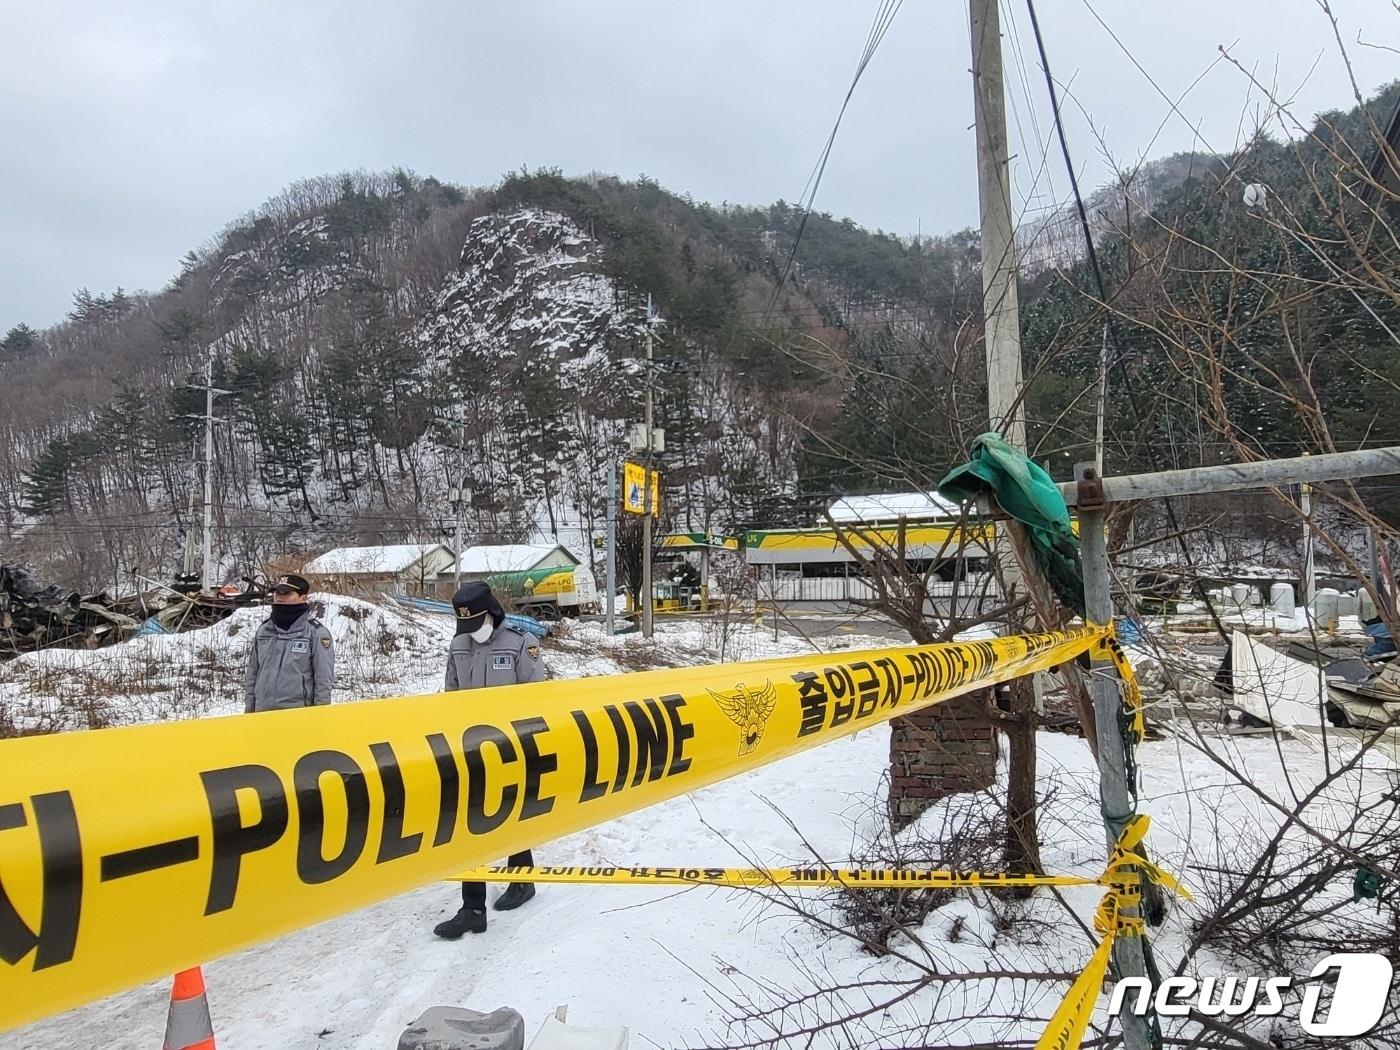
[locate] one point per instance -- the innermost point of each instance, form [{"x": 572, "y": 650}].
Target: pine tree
[
  {"x": 46, "y": 485},
  {"x": 20, "y": 339}
]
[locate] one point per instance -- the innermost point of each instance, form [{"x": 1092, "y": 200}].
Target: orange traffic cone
[{"x": 188, "y": 1027}]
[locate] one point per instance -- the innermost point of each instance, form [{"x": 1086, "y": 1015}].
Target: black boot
[
  {"x": 467, "y": 920},
  {"x": 516, "y": 894}
]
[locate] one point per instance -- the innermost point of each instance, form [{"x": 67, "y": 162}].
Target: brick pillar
[{"x": 940, "y": 751}]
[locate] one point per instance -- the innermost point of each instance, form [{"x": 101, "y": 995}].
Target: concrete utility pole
[
  {"x": 206, "y": 574},
  {"x": 611, "y": 574},
  {"x": 1000, "y": 309},
  {"x": 457, "y": 541},
  {"x": 1309, "y": 580},
  {"x": 705, "y": 574},
  {"x": 1002, "y": 332},
  {"x": 457, "y": 493},
  {"x": 646, "y": 498},
  {"x": 187, "y": 568},
  {"x": 999, "y": 304},
  {"x": 1379, "y": 578}
]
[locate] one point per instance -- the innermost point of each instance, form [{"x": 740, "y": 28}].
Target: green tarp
[{"x": 1025, "y": 492}]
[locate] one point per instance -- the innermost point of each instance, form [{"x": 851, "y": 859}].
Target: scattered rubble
[
  {"x": 34, "y": 616},
  {"x": 37, "y": 617}
]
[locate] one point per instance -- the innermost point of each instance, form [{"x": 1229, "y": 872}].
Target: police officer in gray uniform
[
  {"x": 488, "y": 651},
  {"x": 292, "y": 661}
]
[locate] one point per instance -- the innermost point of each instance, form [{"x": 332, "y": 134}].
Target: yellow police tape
[
  {"x": 131, "y": 853},
  {"x": 813, "y": 878},
  {"x": 1110, "y": 648},
  {"x": 1124, "y": 873}
]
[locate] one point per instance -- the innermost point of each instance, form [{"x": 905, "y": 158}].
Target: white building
[
  {"x": 408, "y": 567},
  {"x": 889, "y": 508},
  {"x": 477, "y": 563},
  {"x": 817, "y": 563}
]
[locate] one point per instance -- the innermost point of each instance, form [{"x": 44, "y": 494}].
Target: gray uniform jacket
[
  {"x": 509, "y": 657},
  {"x": 291, "y": 668}
]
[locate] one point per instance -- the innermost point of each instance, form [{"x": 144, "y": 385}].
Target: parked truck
[{"x": 549, "y": 593}]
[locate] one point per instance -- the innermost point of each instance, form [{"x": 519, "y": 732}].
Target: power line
[
  {"x": 884, "y": 16},
  {"x": 1109, "y": 331}
]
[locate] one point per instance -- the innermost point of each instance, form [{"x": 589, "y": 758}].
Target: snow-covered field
[{"x": 671, "y": 964}]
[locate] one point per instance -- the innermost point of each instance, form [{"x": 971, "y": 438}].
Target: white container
[
  {"x": 1325, "y": 609},
  {"x": 556, "y": 1035}
]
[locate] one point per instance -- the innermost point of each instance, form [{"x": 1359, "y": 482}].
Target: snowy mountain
[{"x": 379, "y": 340}]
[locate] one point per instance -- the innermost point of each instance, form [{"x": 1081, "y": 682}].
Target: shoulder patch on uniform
[
  {"x": 326, "y": 641},
  {"x": 534, "y": 651}
]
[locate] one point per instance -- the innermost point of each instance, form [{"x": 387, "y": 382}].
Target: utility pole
[
  {"x": 1000, "y": 308},
  {"x": 773, "y": 580},
  {"x": 1007, "y": 411},
  {"x": 999, "y": 303},
  {"x": 1309, "y": 587},
  {"x": 611, "y": 574},
  {"x": 705, "y": 574},
  {"x": 1379, "y": 578},
  {"x": 646, "y": 480},
  {"x": 456, "y": 493},
  {"x": 206, "y": 576},
  {"x": 1005, "y": 407},
  {"x": 457, "y": 541},
  {"x": 187, "y": 567}
]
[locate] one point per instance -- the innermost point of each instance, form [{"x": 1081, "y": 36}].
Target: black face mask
[
  {"x": 467, "y": 624},
  {"x": 284, "y": 616}
]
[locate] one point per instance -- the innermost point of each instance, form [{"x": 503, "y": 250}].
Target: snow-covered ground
[{"x": 670, "y": 964}]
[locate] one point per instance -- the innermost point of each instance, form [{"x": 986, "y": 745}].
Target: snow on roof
[
  {"x": 918, "y": 506},
  {"x": 349, "y": 560},
  {"x": 507, "y": 557}
]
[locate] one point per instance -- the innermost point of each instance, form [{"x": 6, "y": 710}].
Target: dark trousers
[{"x": 474, "y": 893}]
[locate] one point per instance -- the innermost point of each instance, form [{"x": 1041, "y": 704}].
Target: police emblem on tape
[{"x": 749, "y": 709}]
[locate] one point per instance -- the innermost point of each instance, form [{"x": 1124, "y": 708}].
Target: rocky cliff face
[{"x": 378, "y": 347}]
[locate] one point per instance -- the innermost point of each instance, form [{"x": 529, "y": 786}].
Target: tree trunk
[{"x": 1022, "y": 833}]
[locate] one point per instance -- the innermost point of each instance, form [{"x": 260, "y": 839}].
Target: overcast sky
[{"x": 134, "y": 132}]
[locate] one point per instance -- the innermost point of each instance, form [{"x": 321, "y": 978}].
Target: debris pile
[
  {"x": 188, "y": 610},
  {"x": 36, "y": 617}
]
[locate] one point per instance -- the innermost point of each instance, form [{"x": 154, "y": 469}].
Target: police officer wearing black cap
[
  {"x": 488, "y": 651},
  {"x": 292, "y": 661}
]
